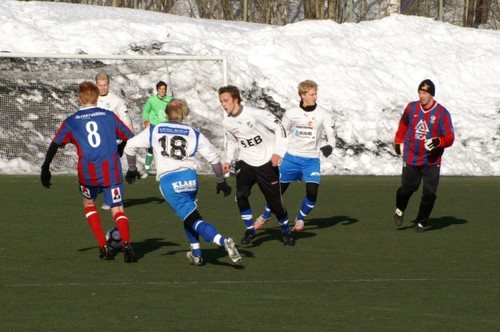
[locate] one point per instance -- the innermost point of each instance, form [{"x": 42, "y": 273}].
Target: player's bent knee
[{"x": 192, "y": 218}]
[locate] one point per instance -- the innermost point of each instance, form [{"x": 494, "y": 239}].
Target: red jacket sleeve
[{"x": 402, "y": 127}]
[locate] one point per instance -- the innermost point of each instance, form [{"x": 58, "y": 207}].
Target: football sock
[
  {"x": 284, "y": 225},
  {"x": 247, "y": 218},
  {"x": 267, "y": 213},
  {"x": 94, "y": 222},
  {"x": 194, "y": 241},
  {"x": 305, "y": 209},
  {"x": 208, "y": 232},
  {"x": 121, "y": 221},
  {"x": 149, "y": 160}
]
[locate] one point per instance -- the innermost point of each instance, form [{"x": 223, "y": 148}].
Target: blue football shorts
[
  {"x": 295, "y": 168},
  {"x": 113, "y": 195},
  {"x": 179, "y": 190}
]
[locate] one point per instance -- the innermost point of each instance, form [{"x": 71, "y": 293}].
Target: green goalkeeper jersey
[{"x": 154, "y": 110}]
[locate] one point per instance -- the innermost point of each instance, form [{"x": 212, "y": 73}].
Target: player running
[
  {"x": 175, "y": 146},
  {"x": 261, "y": 141},
  {"x": 306, "y": 125}
]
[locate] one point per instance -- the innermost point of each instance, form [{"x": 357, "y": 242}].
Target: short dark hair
[
  {"x": 232, "y": 90},
  {"x": 161, "y": 83}
]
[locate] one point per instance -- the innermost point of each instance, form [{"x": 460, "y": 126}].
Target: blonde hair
[
  {"x": 88, "y": 93},
  {"x": 102, "y": 76},
  {"x": 307, "y": 85},
  {"x": 177, "y": 110}
]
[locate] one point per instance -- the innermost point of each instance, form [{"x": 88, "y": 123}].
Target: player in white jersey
[
  {"x": 175, "y": 145},
  {"x": 306, "y": 125},
  {"x": 110, "y": 101},
  {"x": 113, "y": 103},
  {"x": 260, "y": 141}
]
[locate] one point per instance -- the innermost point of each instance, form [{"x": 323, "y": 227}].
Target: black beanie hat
[{"x": 427, "y": 86}]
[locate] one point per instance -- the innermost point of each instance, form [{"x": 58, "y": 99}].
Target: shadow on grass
[
  {"x": 274, "y": 233},
  {"x": 434, "y": 224},
  {"x": 215, "y": 255},
  {"x": 329, "y": 222},
  {"x": 141, "y": 201},
  {"x": 140, "y": 248}
]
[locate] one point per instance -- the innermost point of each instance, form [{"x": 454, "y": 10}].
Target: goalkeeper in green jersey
[{"x": 153, "y": 114}]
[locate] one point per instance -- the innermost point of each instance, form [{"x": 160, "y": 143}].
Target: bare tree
[
  {"x": 311, "y": 8},
  {"x": 481, "y": 11}
]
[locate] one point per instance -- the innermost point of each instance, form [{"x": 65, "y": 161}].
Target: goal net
[{"x": 37, "y": 92}]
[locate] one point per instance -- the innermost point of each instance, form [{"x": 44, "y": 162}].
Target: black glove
[
  {"x": 45, "y": 176},
  {"x": 397, "y": 147},
  {"x": 224, "y": 187},
  {"x": 327, "y": 150},
  {"x": 432, "y": 143},
  {"x": 121, "y": 147},
  {"x": 132, "y": 175}
]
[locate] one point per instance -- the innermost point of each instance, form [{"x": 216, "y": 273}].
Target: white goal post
[{"x": 38, "y": 91}]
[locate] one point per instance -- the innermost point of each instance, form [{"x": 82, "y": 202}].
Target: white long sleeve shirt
[
  {"x": 306, "y": 131},
  {"x": 116, "y": 105},
  {"x": 256, "y": 134}
]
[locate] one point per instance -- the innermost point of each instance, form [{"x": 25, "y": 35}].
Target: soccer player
[
  {"x": 154, "y": 113},
  {"x": 113, "y": 103},
  {"x": 175, "y": 145},
  {"x": 94, "y": 132},
  {"x": 306, "y": 125},
  {"x": 261, "y": 141},
  {"x": 110, "y": 101},
  {"x": 425, "y": 130}
]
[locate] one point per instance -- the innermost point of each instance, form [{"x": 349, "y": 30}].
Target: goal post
[{"x": 38, "y": 91}]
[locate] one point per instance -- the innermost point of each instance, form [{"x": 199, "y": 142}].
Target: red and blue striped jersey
[
  {"x": 416, "y": 126},
  {"x": 94, "y": 132}
]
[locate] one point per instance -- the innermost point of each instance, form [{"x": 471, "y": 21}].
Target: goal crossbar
[{"x": 221, "y": 58}]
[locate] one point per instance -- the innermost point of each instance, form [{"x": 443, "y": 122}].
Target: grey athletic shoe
[
  {"x": 194, "y": 260},
  {"x": 233, "y": 253}
]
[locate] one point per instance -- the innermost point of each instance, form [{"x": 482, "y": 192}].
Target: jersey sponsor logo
[
  {"x": 85, "y": 192},
  {"x": 116, "y": 195},
  {"x": 421, "y": 130},
  {"x": 304, "y": 132},
  {"x": 184, "y": 186},
  {"x": 88, "y": 116},
  {"x": 249, "y": 142},
  {"x": 173, "y": 130}
]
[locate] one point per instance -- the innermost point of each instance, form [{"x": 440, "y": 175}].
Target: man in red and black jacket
[{"x": 425, "y": 130}]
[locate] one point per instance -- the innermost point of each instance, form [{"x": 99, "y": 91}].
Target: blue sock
[
  {"x": 267, "y": 213},
  {"x": 208, "y": 232},
  {"x": 284, "y": 225},
  {"x": 193, "y": 241},
  {"x": 247, "y": 218},
  {"x": 305, "y": 209}
]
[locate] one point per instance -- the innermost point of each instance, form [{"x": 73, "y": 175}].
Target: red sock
[
  {"x": 95, "y": 224},
  {"x": 122, "y": 225}
]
